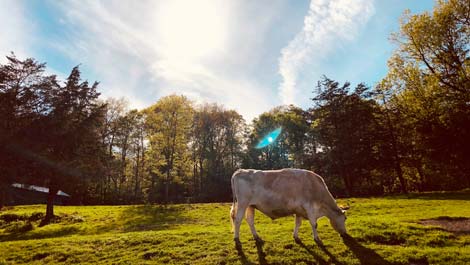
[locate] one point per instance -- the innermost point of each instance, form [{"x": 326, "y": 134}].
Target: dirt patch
[
  {"x": 150, "y": 255},
  {"x": 40, "y": 256},
  {"x": 456, "y": 225},
  {"x": 387, "y": 238}
]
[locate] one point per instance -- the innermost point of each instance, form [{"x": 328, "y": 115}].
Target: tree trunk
[
  {"x": 153, "y": 189},
  {"x": 400, "y": 177},
  {"x": 50, "y": 203},
  {"x": 347, "y": 184},
  {"x": 395, "y": 149},
  {"x": 2, "y": 197},
  {"x": 4, "y": 190},
  {"x": 167, "y": 185},
  {"x": 201, "y": 175},
  {"x": 116, "y": 189},
  {"x": 422, "y": 177},
  {"x": 104, "y": 188},
  {"x": 194, "y": 179},
  {"x": 136, "y": 175}
]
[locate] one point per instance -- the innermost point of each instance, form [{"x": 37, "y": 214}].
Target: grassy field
[{"x": 383, "y": 231}]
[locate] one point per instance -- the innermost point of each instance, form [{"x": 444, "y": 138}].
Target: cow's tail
[{"x": 233, "y": 209}]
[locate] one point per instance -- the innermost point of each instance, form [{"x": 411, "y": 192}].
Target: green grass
[{"x": 383, "y": 231}]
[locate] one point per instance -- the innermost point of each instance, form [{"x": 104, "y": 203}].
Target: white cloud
[
  {"x": 327, "y": 24},
  {"x": 149, "y": 49},
  {"x": 14, "y": 29}
]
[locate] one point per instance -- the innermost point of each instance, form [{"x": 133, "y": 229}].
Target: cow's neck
[
  {"x": 331, "y": 212},
  {"x": 330, "y": 209}
]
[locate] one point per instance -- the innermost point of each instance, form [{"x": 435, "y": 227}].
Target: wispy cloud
[
  {"x": 327, "y": 24},
  {"x": 14, "y": 29},
  {"x": 196, "y": 48}
]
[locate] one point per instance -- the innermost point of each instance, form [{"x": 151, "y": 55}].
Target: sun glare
[{"x": 191, "y": 29}]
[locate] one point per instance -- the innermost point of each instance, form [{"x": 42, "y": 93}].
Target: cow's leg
[
  {"x": 250, "y": 219},
  {"x": 298, "y": 222},
  {"x": 313, "y": 217},
  {"x": 232, "y": 215},
  {"x": 241, "y": 208}
]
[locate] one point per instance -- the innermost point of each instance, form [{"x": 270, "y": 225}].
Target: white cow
[{"x": 279, "y": 193}]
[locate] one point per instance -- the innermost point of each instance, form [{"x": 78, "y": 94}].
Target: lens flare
[{"x": 269, "y": 138}]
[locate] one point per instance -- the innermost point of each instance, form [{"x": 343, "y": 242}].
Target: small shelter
[{"x": 23, "y": 194}]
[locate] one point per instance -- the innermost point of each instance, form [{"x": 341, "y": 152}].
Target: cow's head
[{"x": 338, "y": 221}]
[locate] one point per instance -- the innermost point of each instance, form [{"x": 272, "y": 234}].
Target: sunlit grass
[{"x": 383, "y": 230}]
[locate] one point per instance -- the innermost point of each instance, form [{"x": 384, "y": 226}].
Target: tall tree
[
  {"x": 114, "y": 110},
  {"x": 48, "y": 131},
  {"x": 288, "y": 149},
  {"x": 217, "y": 146},
  {"x": 71, "y": 134},
  {"x": 430, "y": 79},
  {"x": 346, "y": 133},
  {"x": 169, "y": 124},
  {"x": 139, "y": 148},
  {"x": 24, "y": 103}
]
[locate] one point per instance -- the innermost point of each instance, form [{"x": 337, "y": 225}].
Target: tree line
[{"x": 410, "y": 132}]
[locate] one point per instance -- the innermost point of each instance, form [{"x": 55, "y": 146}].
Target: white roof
[{"x": 37, "y": 188}]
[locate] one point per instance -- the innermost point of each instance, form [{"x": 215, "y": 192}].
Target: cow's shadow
[
  {"x": 241, "y": 253},
  {"x": 259, "y": 249},
  {"x": 365, "y": 255},
  {"x": 317, "y": 257},
  {"x": 261, "y": 255}
]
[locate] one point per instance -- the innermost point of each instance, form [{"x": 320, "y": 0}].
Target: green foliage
[
  {"x": 383, "y": 231},
  {"x": 168, "y": 123},
  {"x": 427, "y": 93},
  {"x": 216, "y": 145},
  {"x": 288, "y": 149},
  {"x": 36, "y": 112},
  {"x": 348, "y": 136},
  {"x": 122, "y": 156},
  {"x": 25, "y": 93}
]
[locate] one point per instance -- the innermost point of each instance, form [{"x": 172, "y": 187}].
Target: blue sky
[{"x": 247, "y": 55}]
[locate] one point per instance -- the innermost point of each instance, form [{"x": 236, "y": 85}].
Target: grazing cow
[{"x": 279, "y": 193}]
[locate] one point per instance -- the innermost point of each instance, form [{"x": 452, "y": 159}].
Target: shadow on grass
[
  {"x": 132, "y": 218},
  {"x": 259, "y": 249},
  {"x": 60, "y": 232},
  {"x": 445, "y": 195},
  {"x": 261, "y": 255},
  {"x": 317, "y": 257},
  {"x": 151, "y": 217},
  {"x": 24, "y": 227},
  {"x": 241, "y": 254},
  {"x": 365, "y": 255}
]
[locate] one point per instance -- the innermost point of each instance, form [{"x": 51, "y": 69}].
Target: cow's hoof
[
  {"x": 297, "y": 240},
  {"x": 258, "y": 240},
  {"x": 237, "y": 240}
]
